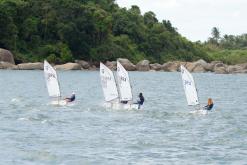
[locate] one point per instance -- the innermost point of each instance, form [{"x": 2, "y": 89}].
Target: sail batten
[
  {"x": 51, "y": 80},
  {"x": 108, "y": 83},
  {"x": 189, "y": 87},
  {"x": 123, "y": 83}
]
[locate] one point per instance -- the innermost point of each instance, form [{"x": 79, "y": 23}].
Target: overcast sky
[{"x": 194, "y": 19}]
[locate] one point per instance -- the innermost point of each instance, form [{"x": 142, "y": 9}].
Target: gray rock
[
  {"x": 209, "y": 67},
  {"x": 143, "y": 65},
  {"x": 190, "y": 66},
  {"x": 6, "y": 65},
  {"x": 111, "y": 65},
  {"x": 68, "y": 66},
  {"x": 127, "y": 64},
  {"x": 240, "y": 71},
  {"x": 220, "y": 70},
  {"x": 156, "y": 67},
  {"x": 93, "y": 68},
  {"x": 234, "y": 69},
  {"x": 84, "y": 64},
  {"x": 219, "y": 67},
  {"x": 244, "y": 66},
  {"x": 6, "y": 56},
  {"x": 31, "y": 66},
  {"x": 202, "y": 63},
  {"x": 199, "y": 68},
  {"x": 216, "y": 62},
  {"x": 171, "y": 66}
]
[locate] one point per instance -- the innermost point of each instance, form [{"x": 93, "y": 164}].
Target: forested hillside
[{"x": 93, "y": 30}]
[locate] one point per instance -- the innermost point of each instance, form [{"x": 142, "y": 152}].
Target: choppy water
[{"x": 33, "y": 132}]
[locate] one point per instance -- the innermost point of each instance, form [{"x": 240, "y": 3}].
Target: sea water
[{"x": 164, "y": 132}]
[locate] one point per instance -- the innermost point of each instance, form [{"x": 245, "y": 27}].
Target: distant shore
[
  {"x": 199, "y": 66},
  {"x": 7, "y": 62}
]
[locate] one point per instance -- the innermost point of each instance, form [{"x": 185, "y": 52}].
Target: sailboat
[
  {"x": 52, "y": 84},
  {"x": 117, "y": 95},
  {"x": 191, "y": 91},
  {"x": 108, "y": 84}
]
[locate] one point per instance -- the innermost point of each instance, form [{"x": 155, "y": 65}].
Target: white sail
[
  {"x": 189, "y": 87},
  {"x": 51, "y": 80},
  {"x": 108, "y": 83},
  {"x": 123, "y": 83}
]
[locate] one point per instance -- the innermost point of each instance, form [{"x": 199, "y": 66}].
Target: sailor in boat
[
  {"x": 210, "y": 105},
  {"x": 140, "y": 101},
  {"x": 71, "y": 98}
]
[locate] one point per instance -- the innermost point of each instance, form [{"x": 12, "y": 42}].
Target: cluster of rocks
[
  {"x": 7, "y": 62},
  {"x": 197, "y": 66},
  {"x": 40, "y": 66}
]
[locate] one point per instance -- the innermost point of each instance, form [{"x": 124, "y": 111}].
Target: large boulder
[
  {"x": 217, "y": 64},
  {"x": 220, "y": 64},
  {"x": 209, "y": 67},
  {"x": 111, "y": 65},
  {"x": 241, "y": 71},
  {"x": 202, "y": 63},
  {"x": 234, "y": 69},
  {"x": 190, "y": 66},
  {"x": 127, "y": 64},
  {"x": 198, "y": 66},
  {"x": 171, "y": 66},
  {"x": 68, "y": 66},
  {"x": 220, "y": 70},
  {"x": 243, "y": 66},
  {"x": 6, "y": 65},
  {"x": 6, "y": 56},
  {"x": 156, "y": 67},
  {"x": 143, "y": 65},
  {"x": 93, "y": 68},
  {"x": 84, "y": 64},
  {"x": 219, "y": 67},
  {"x": 31, "y": 66}
]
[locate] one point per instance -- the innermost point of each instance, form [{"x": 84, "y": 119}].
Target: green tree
[{"x": 215, "y": 35}]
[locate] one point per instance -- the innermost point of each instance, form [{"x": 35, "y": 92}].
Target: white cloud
[{"x": 195, "y": 18}]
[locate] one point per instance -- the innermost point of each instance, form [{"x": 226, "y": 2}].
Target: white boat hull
[
  {"x": 117, "y": 105},
  {"x": 59, "y": 102}
]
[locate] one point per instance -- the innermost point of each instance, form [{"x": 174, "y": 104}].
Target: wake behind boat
[{"x": 117, "y": 95}]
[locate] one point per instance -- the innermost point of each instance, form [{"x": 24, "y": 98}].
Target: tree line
[
  {"x": 230, "y": 42},
  {"x": 94, "y": 30},
  {"x": 231, "y": 49}
]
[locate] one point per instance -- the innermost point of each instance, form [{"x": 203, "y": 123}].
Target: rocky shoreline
[{"x": 201, "y": 66}]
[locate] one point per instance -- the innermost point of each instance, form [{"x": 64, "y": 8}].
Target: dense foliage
[
  {"x": 93, "y": 30},
  {"x": 229, "y": 48}
]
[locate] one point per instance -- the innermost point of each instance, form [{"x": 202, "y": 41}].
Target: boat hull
[
  {"x": 119, "y": 106},
  {"x": 59, "y": 102}
]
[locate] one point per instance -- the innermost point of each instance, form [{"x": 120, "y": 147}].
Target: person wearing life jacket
[
  {"x": 210, "y": 104},
  {"x": 140, "y": 101},
  {"x": 71, "y": 98}
]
